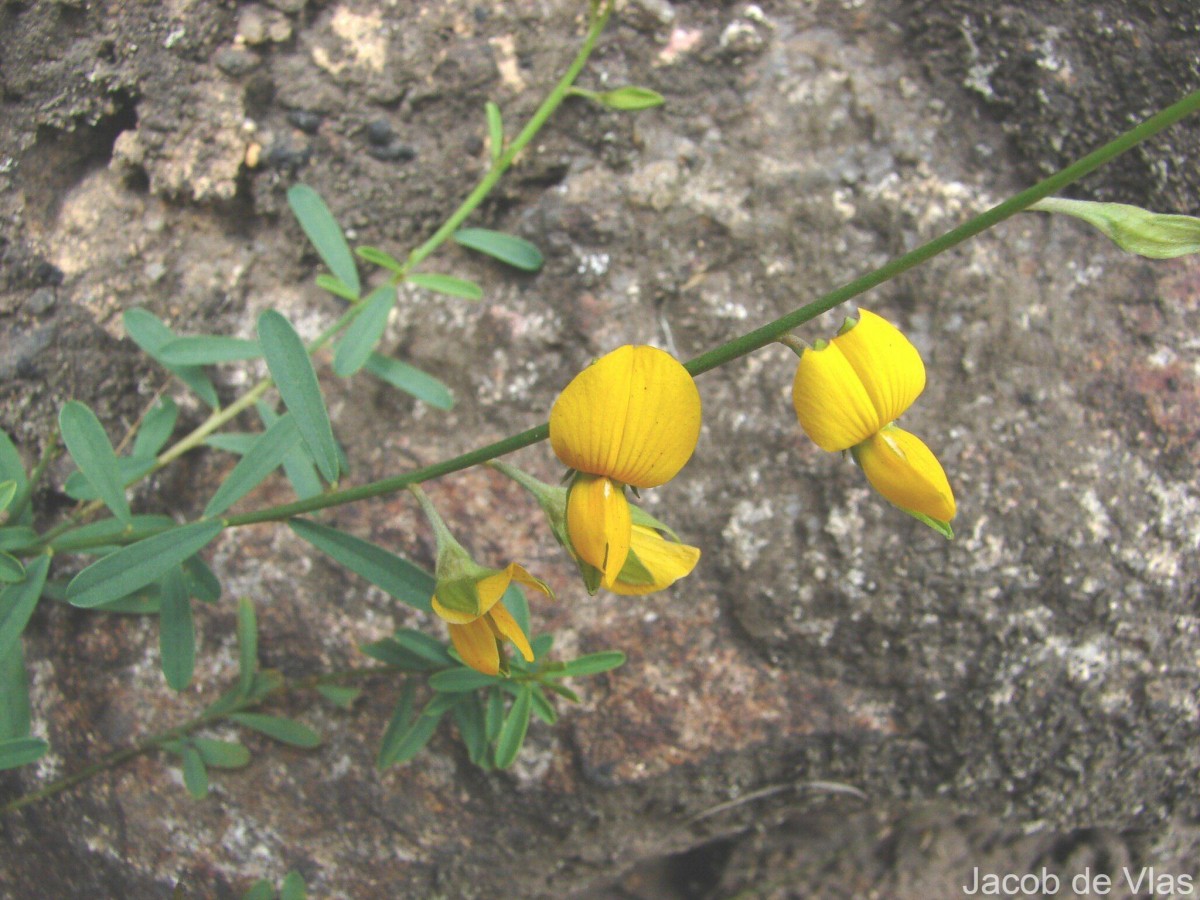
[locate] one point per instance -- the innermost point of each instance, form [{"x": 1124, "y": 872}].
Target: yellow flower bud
[{"x": 905, "y": 471}]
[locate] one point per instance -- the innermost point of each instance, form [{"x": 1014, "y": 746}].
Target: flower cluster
[{"x": 849, "y": 391}]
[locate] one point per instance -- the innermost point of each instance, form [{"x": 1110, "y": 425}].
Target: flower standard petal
[
  {"x": 666, "y": 562},
  {"x": 633, "y": 415},
  {"x": 505, "y": 625},
  {"x": 599, "y": 524},
  {"x": 906, "y": 472},
  {"x": 476, "y": 644},
  {"x": 886, "y": 362},
  {"x": 831, "y": 403}
]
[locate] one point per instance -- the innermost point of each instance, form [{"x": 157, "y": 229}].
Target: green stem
[
  {"x": 760, "y": 337},
  {"x": 768, "y": 333},
  {"x": 598, "y": 19}
]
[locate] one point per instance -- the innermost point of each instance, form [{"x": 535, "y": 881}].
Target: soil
[{"x": 838, "y": 703}]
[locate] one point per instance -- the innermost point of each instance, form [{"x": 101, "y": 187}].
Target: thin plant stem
[
  {"x": 599, "y": 17},
  {"x": 769, "y": 333}
]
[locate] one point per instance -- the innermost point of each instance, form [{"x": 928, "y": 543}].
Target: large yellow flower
[
  {"x": 630, "y": 418},
  {"x": 479, "y": 622},
  {"x": 849, "y": 391}
]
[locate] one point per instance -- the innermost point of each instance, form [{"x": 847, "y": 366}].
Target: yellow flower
[
  {"x": 479, "y": 622},
  {"x": 630, "y": 418},
  {"x": 847, "y": 393},
  {"x": 654, "y": 563}
]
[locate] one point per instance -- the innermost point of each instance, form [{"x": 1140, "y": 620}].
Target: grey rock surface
[{"x": 1023, "y": 696}]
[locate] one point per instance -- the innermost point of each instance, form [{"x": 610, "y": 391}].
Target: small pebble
[
  {"x": 41, "y": 301},
  {"x": 393, "y": 153},
  {"x": 306, "y": 120},
  {"x": 287, "y": 158},
  {"x": 380, "y": 132},
  {"x": 235, "y": 61}
]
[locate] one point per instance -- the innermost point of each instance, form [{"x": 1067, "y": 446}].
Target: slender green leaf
[
  {"x": 495, "y": 125},
  {"x": 176, "y": 631},
  {"x": 594, "y": 663},
  {"x": 14, "y": 694},
  {"x": 202, "y": 584},
  {"x": 337, "y": 287},
  {"x": 18, "y": 537},
  {"x": 247, "y": 637},
  {"x": 8, "y": 490},
  {"x": 542, "y": 707},
  {"x": 411, "y": 380},
  {"x": 565, "y": 692},
  {"x": 447, "y": 284},
  {"x": 393, "y": 653},
  {"x": 263, "y": 458},
  {"x": 238, "y": 442},
  {"x": 11, "y": 570},
  {"x": 396, "y": 576},
  {"x": 365, "y": 331},
  {"x": 493, "y": 716},
  {"x": 137, "y": 565},
  {"x": 512, "y": 732},
  {"x": 629, "y": 98},
  {"x": 129, "y": 469},
  {"x": 260, "y": 890},
  {"x": 297, "y": 384},
  {"x": 507, "y": 248},
  {"x": 405, "y": 736},
  {"x": 21, "y": 751},
  {"x": 207, "y": 350},
  {"x": 293, "y": 887},
  {"x": 11, "y": 467},
  {"x": 286, "y": 731},
  {"x": 420, "y": 644},
  {"x": 541, "y": 645},
  {"x": 222, "y": 754},
  {"x": 325, "y": 233},
  {"x": 339, "y": 695},
  {"x": 150, "y": 333},
  {"x": 156, "y": 429},
  {"x": 460, "y": 680},
  {"x": 89, "y": 447},
  {"x": 195, "y": 776},
  {"x": 111, "y": 531},
  {"x": 297, "y": 465},
  {"x": 398, "y": 724},
  {"x": 381, "y": 258},
  {"x": 469, "y": 717},
  {"x": 17, "y": 602}
]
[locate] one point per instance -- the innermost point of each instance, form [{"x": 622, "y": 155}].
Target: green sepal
[
  {"x": 1133, "y": 229},
  {"x": 942, "y": 528}
]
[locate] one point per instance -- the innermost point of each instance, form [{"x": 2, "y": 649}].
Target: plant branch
[{"x": 768, "y": 333}]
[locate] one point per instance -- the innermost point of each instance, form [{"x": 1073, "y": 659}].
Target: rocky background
[{"x": 838, "y": 703}]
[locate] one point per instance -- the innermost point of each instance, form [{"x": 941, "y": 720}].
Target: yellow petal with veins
[
  {"x": 906, "y": 472},
  {"x": 666, "y": 561},
  {"x": 633, "y": 416},
  {"x": 886, "y": 362},
  {"x": 506, "y": 627},
  {"x": 599, "y": 524},
  {"x": 831, "y": 403},
  {"x": 476, "y": 644}
]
